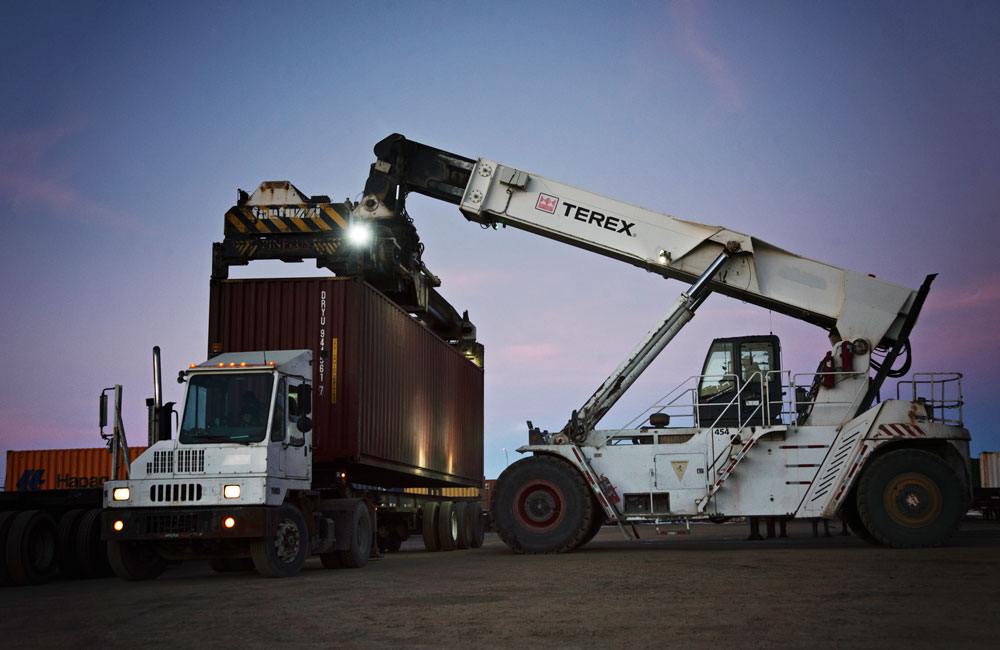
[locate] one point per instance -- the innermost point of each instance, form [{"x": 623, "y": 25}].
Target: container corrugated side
[
  {"x": 59, "y": 469},
  {"x": 989, "y": 469},
  {"x": 393, "y": 402}
]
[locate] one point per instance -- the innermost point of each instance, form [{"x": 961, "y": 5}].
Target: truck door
[
  {"x": 747, "y": 366},
  {"x": 294, "y": 461}
]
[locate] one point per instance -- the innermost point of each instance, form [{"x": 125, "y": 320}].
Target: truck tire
[
  {"x": 447, "y": 526},
  {"x": 135, "y": 561},
  {"x": 282, "y": 554},
  {"x": 66, "y": 544},
  {"x": 31, "y": 548},
  {"x": 429, "y": 526},
  {"x": 474, "y": 515},
  {"x": 541, "y": 504},
  {"x": 850, "y": 516},
  {"x": 462, "y": 538},
  {"x": 595, "y": 526},
  {"x": 6, "y": 519},
  {"x": 909, "y": 498},
  {"x": 356, "y": 556},
  {"x": 91, "y": 550}
]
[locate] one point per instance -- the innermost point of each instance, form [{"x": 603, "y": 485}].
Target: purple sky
[{"x": 861, "y": 134}]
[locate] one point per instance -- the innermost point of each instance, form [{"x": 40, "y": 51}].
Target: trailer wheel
[
  {"x": 282, "y": 554},
  {"x": 66, "y": 544},
  {"x": 31, "y": 548},
  {"x": 474, "y": 517},
  {"x": 909, "y": 498},
  {"x": 356, "y": 556},
  {"x": 91, "y": 550},
  {"x": 447, "y": 526},
  {"x": 6, "y": 519},
  {"x": 462, "y": 529},
  {"x": 429, "y": 526},
  {"x": 135, "y": 561},
  {"x": 541, "y": 504}
]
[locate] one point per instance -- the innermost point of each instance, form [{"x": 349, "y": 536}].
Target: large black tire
[
  {"x": 135, "y": 560},
  {"x": 282, "y": 554},
  {"x": 31, "y": 548},
  {"x": 6, "y": 519},
  {"x": 595, "y": 525},
  {"x": 66, "y": 545},
  {"x": 850, "y": 516},
  {"x": 91, "y": 550},
  {"x": 541, "y": 504},
  {"x": 474, "y": 517},
  {"x": 429, "y": 526},
  {"x": 360, "y": 533},
  {"x": 447, "y": 526},
  {"x": 909, "y": 498},
  {"x": 463, "y": 532}
]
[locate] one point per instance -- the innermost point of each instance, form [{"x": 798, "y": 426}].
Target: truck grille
[
  {"x": 175, "y": 492},
  {"x": 188, "y": 460},
  {"x": 171, "y": 524}
]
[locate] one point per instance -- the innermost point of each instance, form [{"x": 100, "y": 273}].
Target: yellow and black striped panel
[
  {"x": 252, "y": 249},
  {"x": 286, "y": 219}
]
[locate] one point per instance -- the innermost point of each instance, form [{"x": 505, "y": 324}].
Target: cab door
[
  {"x": 291, "y": 446},
  {"x": 746, "y": 366}
]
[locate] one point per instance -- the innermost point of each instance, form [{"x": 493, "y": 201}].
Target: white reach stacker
[{"x": 747, "y": 437}]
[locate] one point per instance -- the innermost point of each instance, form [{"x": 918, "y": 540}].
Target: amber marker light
[
  {"x": 194, "y": 365},
  {"x": 119, "y": 525},
  {"x": 228, "y": 522},
  {"x": 243, "y": 364},
  {"x": 221, "y": 365}
]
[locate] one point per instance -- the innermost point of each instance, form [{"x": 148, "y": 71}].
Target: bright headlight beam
[
  {"x": 231, "y": 492},
  {"x": 359, "y": 234},
  {"x": 120, "y": 494}
]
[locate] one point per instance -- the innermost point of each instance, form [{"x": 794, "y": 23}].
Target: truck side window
[
  {"x": 278, "y": 423},
  {"x": 717, "y": 373}
]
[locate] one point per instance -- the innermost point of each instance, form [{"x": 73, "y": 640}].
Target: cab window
[
  {"x": 278, "y": 423},
  {"x": 717, "y": 375}
]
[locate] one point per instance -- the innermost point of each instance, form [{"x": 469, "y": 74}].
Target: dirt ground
[{"x": 710, "y": 589}]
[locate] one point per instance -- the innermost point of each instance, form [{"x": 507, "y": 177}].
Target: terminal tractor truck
[{"x": 747, "y": 437}]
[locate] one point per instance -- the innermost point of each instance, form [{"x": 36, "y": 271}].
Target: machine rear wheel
[
  {"x": 462, "y": 536},
  {"x": 541, "y": 504},
  {"x": 474, "y": 517},
  {"x": 854, "y": 523},
  {"x": 356, "y": 556},
  {"x": 429, "y": 526},
  {"x": 909, "y": 498},
  {"x": 447, "y": 526}
]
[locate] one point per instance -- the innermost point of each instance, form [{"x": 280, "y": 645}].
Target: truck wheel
[
  {"x": 447, "y": 526},
  {"x": 474, "y": 516},
  {"x": 283, "y": 554},
  {"x": 31, "y": 548},
  {"x": 135, "y": 561},
  {"x": 909, "y": 498},
  {"x": 462, "y": 538},
  {"x": 850, "y": 516},
  {"x": 66, "y": 544},
  {"x": 541, "y": 504},
  {"x": 356, "y": 556},
  {"x": 6, "y": 519},
  {"x": 91, "y": 550},
  {"x": 429, "y": 526},
  {"x": 595, "y": 525}
]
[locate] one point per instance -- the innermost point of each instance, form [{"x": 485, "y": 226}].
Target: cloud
[
  {"x": 27, "y": 178},
  {"x": 685, "y": 18}
]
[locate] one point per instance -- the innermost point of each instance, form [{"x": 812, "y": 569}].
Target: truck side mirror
[
  {"x": 104, "y": 411},
  {"x": 305, "y": 400},
  {"x": 304, "y": 424}
]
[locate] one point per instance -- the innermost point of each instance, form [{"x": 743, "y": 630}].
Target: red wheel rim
[{"x": 539, "y": 506}]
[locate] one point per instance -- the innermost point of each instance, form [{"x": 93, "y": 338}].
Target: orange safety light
[
  {"x": 194, "y": 365},
  {"x": 232, "y": 364},
  {"x": 243, "y": 364},
  {"x": 222, "y": 365},
  {"x": 270, "y": 363}
]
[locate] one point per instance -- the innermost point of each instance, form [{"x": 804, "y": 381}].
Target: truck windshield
[{"x": 226, "y": 407}]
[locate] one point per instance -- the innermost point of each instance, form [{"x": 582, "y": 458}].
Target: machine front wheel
[
  {"x": 283, "y": 554},
  {"x": 541, "y": 504},
  {"x": 909, "y": 498}
]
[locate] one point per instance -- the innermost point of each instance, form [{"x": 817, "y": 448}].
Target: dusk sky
[{"x": 862, "y": 134}]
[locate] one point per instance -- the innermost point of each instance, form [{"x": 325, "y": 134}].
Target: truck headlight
[
  {"x": 231, "y": 492},
  {"x": 120, "y": 494}
]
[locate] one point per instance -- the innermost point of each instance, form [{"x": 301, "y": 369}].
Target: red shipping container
[
  {"x": 393, "y": 405},
  {"x": 60, "y": 469}
]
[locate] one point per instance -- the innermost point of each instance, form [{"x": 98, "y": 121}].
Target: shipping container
[
  {"x": 395, "y": 405},
  {"x": 989, "y": 469},
  {"x": 59, "y": 469}
]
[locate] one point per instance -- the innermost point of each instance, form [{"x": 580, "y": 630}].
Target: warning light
[
  {"x": 193, "y": 365},
  {"x": 229, "y": 522},
  {"x": 119, "y": 525},
  {"x": 232, "y": 364},
  {"x": 270, "y": 363},
  {"x": 243, "y": 364},
  {"x": 221, "y": 365}
]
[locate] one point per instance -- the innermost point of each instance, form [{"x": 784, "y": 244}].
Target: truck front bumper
[{"x": 188, "y": 523}]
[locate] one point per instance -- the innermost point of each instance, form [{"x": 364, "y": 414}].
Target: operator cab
[{"x": 740, "y": 382}]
